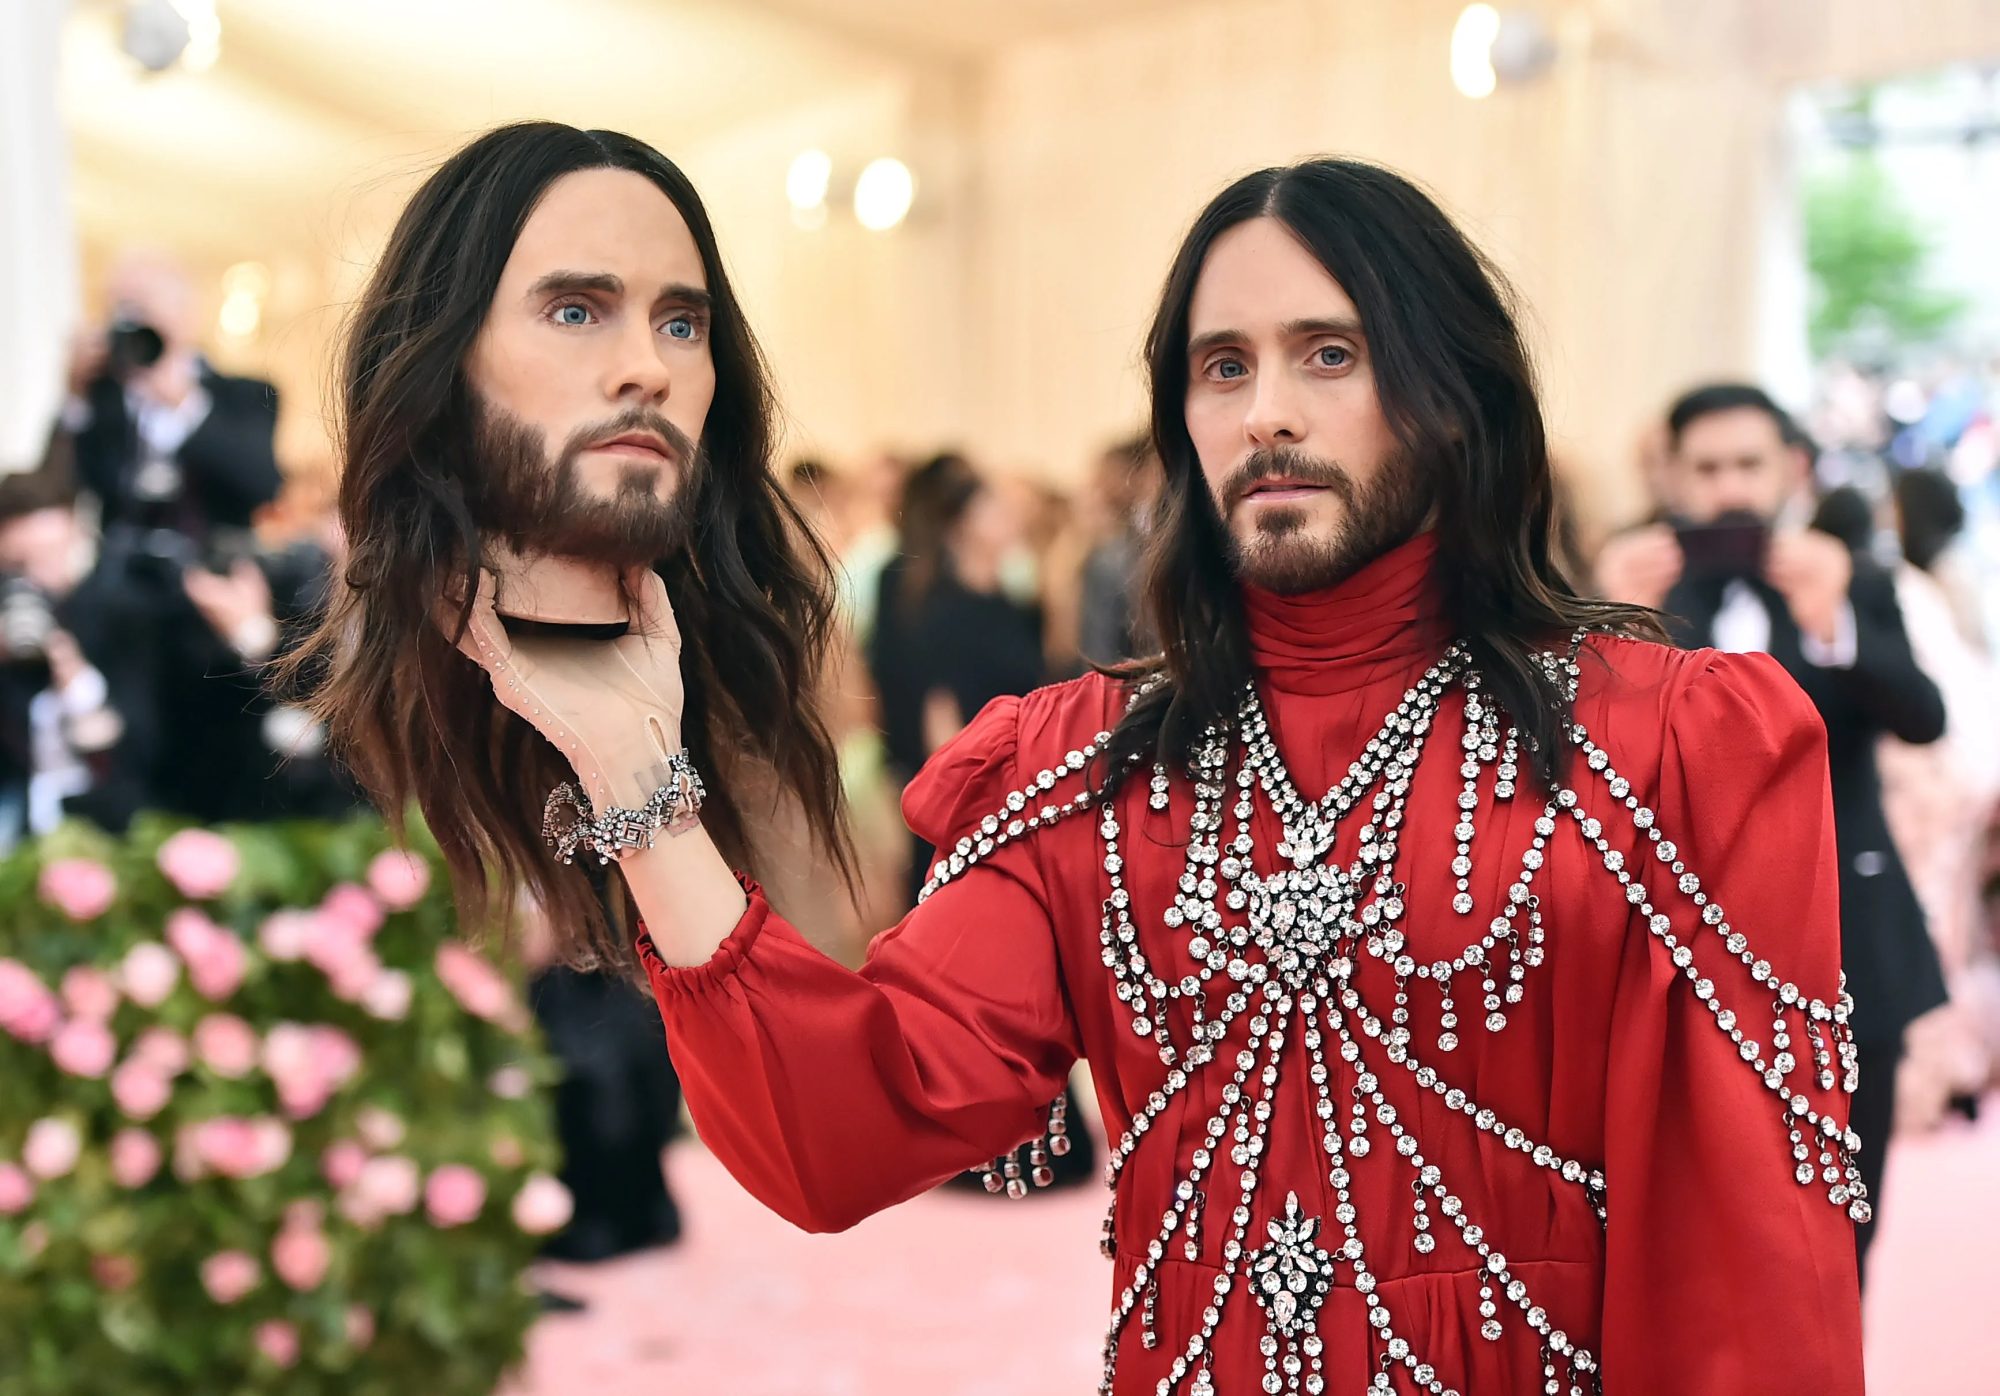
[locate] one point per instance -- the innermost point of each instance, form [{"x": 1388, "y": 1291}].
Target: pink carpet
[{"x": 963, "y": 1295}]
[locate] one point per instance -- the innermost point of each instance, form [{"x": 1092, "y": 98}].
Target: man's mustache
[
  {"x": 1288, "y": 463},
  {"x": 632, "y": 419}
]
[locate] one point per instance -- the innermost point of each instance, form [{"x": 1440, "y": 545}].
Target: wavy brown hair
[
  {"x": 415, "y": 719},
  {"x": 1456, "y": 385}
]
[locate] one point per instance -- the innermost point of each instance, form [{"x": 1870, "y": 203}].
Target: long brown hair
[
  {"x": 1459, "y": 393},
  {"x": 413, "y": 717}
]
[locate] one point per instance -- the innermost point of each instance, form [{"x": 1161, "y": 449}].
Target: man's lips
[
  {"x": 1279, "y": 488},
  {"x": 638, "y": 445}
]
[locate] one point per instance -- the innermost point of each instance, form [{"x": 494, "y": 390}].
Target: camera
[
  {"x": 131, "y": 346},
  {"x": 26, "y": 621}
]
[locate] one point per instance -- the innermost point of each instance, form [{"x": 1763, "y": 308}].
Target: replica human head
[
  {"x": 550, "y": 360},
  {"x": 1734, "y": 451},
  {"x": 1334, "y": 368}
]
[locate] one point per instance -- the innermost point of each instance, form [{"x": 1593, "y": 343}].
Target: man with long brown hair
[
  {"x": 1517, "y": 1060},
  {"x": 550, "y": 393}
]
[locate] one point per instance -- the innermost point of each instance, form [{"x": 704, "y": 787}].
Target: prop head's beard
[
  {"x": 1286, "y": 555},
  {"x": 536, "y": 504}
]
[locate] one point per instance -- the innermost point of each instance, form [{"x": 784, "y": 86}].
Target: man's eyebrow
[
  {"x": 1291, "y": 329},
  {"x": 610, "y": 284}
]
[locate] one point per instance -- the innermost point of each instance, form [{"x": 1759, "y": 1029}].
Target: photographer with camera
[
  {"x": 179, "y": 458},
  {"x": 1734, "y": 567},
  {"x": 71, "y": 661}
]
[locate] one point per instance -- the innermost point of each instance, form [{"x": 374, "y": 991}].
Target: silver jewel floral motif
[{"x": 1271, "y": 961}]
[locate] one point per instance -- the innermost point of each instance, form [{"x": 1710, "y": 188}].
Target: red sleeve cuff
[{"x": 682, "y": 981}]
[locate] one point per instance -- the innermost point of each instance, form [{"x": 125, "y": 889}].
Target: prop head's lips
[
  {"x": 641, "y": 445},
  {"x": 1281, "y": 487}
]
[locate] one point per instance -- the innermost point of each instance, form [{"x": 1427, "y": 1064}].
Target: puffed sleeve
[
  {"x": 830, "y": 1093},
  {"x": 1725, "y": 1273}
]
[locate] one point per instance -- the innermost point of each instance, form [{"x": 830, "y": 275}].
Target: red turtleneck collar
[{"x": 1387, "y": 615}]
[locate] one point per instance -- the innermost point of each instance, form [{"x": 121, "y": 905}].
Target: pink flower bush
[
  {"x": 17, "y": 1190},
  {"x": 543, "y": 1205},
  {"x": 135, "y": 1157},
  {"x": 360, "y": 1327},
  {"x": 506, "y": 1151},
  {"x": 82, "y": 889},
  {"x": 141, "y": 1089},
  {"x": 300, "y": 1256},
  {"x": 226, "y": 1045},
  {"x": 341, "y": 1163},
  {"x": 90, "y": 993},
  {"x": 510, "y": 1082},
  {"x": 308, "y": 1064},
  {"x": 148, "y": 973},
  {"x": 399, "y": 879},
  {"x": 163, "y": 1049},
  {"x": 388, "y": 1187},
  {"x": 114, "y": 1272},
  {"x": 29, "y": 1010},
  {"x": 278, "y": 1341},
  {"x": 352, "y": 907},
  {"x": 83, "y": 1047},
  {"x": 388, "y": 998},
  {"x": 338, "y": 945},
  {"x": 284, "y": 935},
  {"x": 480, "y": 989},
  {"x": 216, "y": 959},
  {"x": 229, "y": 1275},
  {"x": 454, "y": 1195},
  {"x": 201, "y": 864},
  {"x": 381, "y": 1129},
  {"x": 236, "y": 1147},
  {"x": 51, "y": 1148}
]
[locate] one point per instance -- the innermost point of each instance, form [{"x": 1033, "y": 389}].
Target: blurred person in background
[
  {"x": 75, "y": 705},
  {"x": 1124, "y": 487},
  {"x": 1736, "y": 569},
  {"x": 179, "y": 458},
  {"x": 1941, "y": 800}
]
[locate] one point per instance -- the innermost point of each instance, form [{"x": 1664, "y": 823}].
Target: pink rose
[
  {"x": 28, "y": 1010},
  {"x": 510, "y": 1082},
  {"x": 51, "y": 1148},
  {"x": 226, "y": 1045},
  {"x": 148, "y": 973},
  {"x": 388, "y": 998},
  {"x": 388, "y": 1185},
  {"x": 454, "y": 1195},
  {"x": 80, "y": 888},
  {"x": 90, "y": 994},
  {"x": 480, "y": 989},
  {"x": 215, "y": 958},
  {"x": 285, "y": 934},
  {"x": 201, "y": 864},
  {"x": 543, "y": 1205},
  {"x": 135, "y": 1157},
  {"x": 17, "y": 1190},
  {"x": 279, "y": 1341},
  {"x": 341, "y": 1164},
  {"x": 229, "y": 1275},
  {"x": 141, "y": 1089},
  {"x": 300, "y": 1256},
  {"x": 381, "y": 1129},
  {"x": 163, "y": 1049},
  {"x": 351, "y": 906},
  {"x": 83, "y": 1047},
  {"x": 242, "y": 1148},
  {"x": 399, "y": 878},
  {"x": 360, "y": 1327},
  {"x": 307, "y": 1064},
  {"x": 114, "y": 1272}
]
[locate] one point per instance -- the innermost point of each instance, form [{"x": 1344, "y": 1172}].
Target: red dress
[{"x": 1606, "y": 1165}]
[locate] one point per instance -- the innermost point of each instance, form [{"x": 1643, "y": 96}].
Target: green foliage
[
  {"x": 1866, "y": 255},
  {"x": 101, "y": 1282}
]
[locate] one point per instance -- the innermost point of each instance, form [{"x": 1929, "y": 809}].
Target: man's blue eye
[
  {"x": 1333, "y": 349},
  {"x": 680, "y": 328},
  {"x": 572, "y": 315}
]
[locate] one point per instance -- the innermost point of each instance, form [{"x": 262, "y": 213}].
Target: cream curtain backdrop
[
  {"x": 37, "y": 234},
  {"x": 1636, "y": 195}
]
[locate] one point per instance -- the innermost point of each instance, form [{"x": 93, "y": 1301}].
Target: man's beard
[
  {"x": 1284, "y": 557},
  {"x": 536, "y": 504}
]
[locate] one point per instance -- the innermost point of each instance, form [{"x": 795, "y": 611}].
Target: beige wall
[{"x": 1630, "y": 195}]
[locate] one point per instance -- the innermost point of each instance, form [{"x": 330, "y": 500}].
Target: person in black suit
[
  {"x": 179, "y": 459},
  {"x": 1762, "y": 581}
]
